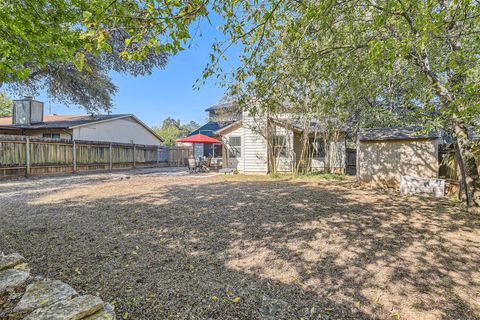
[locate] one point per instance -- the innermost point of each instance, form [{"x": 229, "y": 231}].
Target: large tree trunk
[
  {"x": 466, "y": 150},
  {"x": 460, "y": 130}
]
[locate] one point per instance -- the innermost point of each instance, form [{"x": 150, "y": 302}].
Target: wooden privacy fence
[
  {"x": 22, "y": 155},
  {"x": 449, "y": 165}
]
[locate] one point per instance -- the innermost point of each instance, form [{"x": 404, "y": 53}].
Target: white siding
[
  {"x": 235, "y": 163},
  {"x": 125, "y": 130},
  {"x": 254, "y": 145},
  {"x": 286, "y": 163}
]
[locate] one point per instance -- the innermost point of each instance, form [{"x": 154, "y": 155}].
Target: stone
[
  {"x": 43, "y": 293},
  {"x": 422, "y": 186},
  {"x": 107, "y": 313},
  {"x": 273, "y": 309},
  {"x": 12, "y": 278},
  {"x": 10, "y": 260},
  {"x": 74, "y": 309}
]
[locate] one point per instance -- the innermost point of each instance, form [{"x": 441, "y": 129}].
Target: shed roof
[{"x": 385, "y": 134}]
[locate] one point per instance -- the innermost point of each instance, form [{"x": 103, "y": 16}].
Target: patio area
[{"x": 167, "y": 245}]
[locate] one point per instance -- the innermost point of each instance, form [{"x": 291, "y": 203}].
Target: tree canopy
[
  {"x": 414, "y": 61},
  {"x": 172, "y": 129},
  {"x": 5, "y": 105},
  {"x": 70, "y": 46}
]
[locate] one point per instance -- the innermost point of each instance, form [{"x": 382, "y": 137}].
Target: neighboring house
[
  {"x": 246, "y": 148},
  {"x": 386, "y": 154},
  {"x": 28, "y": 119}
]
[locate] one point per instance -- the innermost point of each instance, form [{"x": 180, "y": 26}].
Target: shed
[{"x": 386, "y": 154}]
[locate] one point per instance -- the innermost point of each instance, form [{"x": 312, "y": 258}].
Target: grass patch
[{"x": 321, "y": 175}]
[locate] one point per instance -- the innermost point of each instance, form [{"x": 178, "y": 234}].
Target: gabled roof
[
  {"x": 72, "y": 121},
  {"x": 210, "y": 128},
  {"x": 227, "y": 106},
  {"x": 385, "y": 134},
  {"x": 232, "y": 125}
]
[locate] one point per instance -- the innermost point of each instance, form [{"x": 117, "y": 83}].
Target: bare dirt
[{"x": 178, "y": 246}]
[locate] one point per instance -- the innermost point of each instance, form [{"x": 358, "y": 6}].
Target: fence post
[
  {"x": 110, "y": 158},
  {"x": 134, "y": 155},
  {"x": 27, "y": 157},
  {"x": 74, "y": 157},
  {"x": 158, "y": 156}
]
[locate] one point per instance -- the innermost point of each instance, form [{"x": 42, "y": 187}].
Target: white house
[
  {"x": 248, "y": 146},
  {"x": 28, "y": 119}
]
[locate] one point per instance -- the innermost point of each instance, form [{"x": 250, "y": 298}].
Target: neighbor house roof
[
  {"x": 384, "y": 134},
  {"x": 224, "y": 106},
  {"x": 71, "y": 121},
  {"x": 210, "y": 128},
  {"x": 63, "y": 121}
]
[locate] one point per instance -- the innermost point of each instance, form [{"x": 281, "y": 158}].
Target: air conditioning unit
[{"x": 27, "y": 111}]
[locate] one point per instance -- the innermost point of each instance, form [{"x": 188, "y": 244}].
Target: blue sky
[{"x": 167, "y": 92}]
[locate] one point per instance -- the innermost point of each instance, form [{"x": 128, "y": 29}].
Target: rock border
[{"x": 24, "y": 297}]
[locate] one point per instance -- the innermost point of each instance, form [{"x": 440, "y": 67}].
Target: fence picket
[{"x": 21, "y": 155}]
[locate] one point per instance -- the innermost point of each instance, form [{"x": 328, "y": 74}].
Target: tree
[
  {"x": 5, "y": 105},
  {"x": 70, "y": 46},
  {"x": 428, "y": 50},
  {"x": 172, "y": 129}
]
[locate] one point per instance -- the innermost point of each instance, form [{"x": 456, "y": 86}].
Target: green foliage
[
  {"x": 40, "y": 37},
  {"x": 381, "y": 62},
  {"x": 321, "y": 175},
  {"x": 172, "y": 129},
  {"x": 5, "y": 105}
]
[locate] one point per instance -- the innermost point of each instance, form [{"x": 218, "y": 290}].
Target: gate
[{"x": 351, "y": 168}]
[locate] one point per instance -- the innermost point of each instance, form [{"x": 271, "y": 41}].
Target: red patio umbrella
[{"x": 200, "y": 138}]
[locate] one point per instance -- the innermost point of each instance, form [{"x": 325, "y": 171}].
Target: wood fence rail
[{"x": 23, "y": 155}]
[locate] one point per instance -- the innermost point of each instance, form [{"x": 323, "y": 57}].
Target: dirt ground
[{"x": 177, "y": 246}]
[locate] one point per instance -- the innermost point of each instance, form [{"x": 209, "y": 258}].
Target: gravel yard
[{"x": 178, "y": 246}]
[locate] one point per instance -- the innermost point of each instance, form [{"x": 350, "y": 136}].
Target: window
[
  {"x": 214, "y": 150},
  {"x": 217, "y": 150},
  {"x": 52, "y": 135},
  {"x": 279, "y": 145},
  {"x": 235, "y": 147},
  {"x": 317, "y": 148}
]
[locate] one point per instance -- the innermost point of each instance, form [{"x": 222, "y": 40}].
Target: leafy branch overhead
[
  {"x": 60, "y": 44},
  {"x": 415, "y": 62}
]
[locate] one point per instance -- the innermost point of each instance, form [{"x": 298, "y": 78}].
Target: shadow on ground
[{"x": 193, "y": 248}]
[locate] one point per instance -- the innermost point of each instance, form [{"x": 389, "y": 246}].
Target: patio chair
[
  {"x": 192, "y": 165},
  {"x": 208, "y": 163}
]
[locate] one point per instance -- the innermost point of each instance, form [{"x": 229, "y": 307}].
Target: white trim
[{"x": 231, "y": 125}]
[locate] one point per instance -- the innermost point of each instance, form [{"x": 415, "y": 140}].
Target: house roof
[
  {"x": 315, "y": 126},
  {"x": 71, "y": 121},
  {"x": 210, "y": 128},
  {"x": 385, "y": 134},
  {"x": 62, "y": 121},
  {"x": 229, "y": 126},
  {"x": 223, "y": 106}
]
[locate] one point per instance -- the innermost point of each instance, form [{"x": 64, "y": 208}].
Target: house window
[
  {"x": 317, "y": 148},
  {"x": 214, "y": 150},
  {"x": 235, "y": 150},
  {"x": 217, "y": 150},
  {"x": 279, "y": 145},
  {"x": 52, "y": 135}
]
